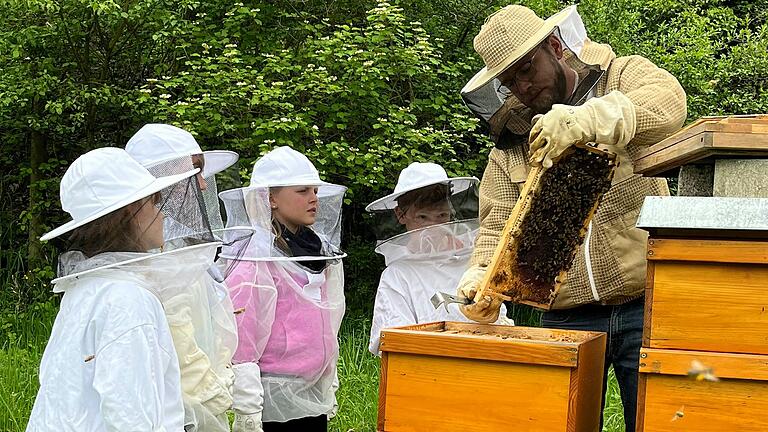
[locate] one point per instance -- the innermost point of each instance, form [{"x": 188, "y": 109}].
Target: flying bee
[
  {"x": 701, "y": 372},
  {"x": 678, "y": 414}
]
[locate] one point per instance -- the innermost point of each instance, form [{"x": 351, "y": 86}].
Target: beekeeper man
[{"x": 547, "y": 73}]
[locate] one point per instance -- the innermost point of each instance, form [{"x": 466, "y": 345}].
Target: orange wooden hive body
[
  {"x": 704, "y": 360},
  {"x": 706, "y": 303},
  {"x": 448, "y": 376}
]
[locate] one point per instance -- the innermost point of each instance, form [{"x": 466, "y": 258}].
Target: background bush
[{"x": 362, "y": 88}]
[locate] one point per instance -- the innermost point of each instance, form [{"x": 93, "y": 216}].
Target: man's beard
[{"x": 544, "y": 103}]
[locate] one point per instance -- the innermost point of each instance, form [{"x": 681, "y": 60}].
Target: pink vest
[{"x": 301, "y": 341}]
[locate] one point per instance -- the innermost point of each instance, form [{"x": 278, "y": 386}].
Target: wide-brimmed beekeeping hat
[
  {"x": 102, "y": 181},
  {"x": 416, "y": 176},
  {"x": 157, "y": 143},
  {"x": 507, "y": 36}
]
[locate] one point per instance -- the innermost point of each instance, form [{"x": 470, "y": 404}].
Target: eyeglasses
[{"x": 525, "y": 73}]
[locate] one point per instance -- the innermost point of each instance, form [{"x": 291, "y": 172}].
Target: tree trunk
[{"x": 38, "y": 155}]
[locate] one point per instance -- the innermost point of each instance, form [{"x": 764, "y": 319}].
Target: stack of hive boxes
[{"x": 704, "y": 360}]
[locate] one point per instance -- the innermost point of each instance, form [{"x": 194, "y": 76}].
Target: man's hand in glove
[
  {"x": 247, "y": 423},
  {"x": 608, "y": 120},
  {"x": 470, "y": 281},
  {"x": 487, "y": 309}
]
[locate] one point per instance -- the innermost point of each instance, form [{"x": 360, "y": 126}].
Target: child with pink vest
[{"x": 287, "y": 288}]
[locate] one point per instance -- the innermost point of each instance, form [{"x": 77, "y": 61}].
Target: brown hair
[
  {"x": 426, "y": 196},
  {"x": 113, "y": 232},
  {"x": 277, "y": 229}
]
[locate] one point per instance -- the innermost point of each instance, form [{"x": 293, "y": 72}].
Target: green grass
[
  {"x": 359, "y": 377},
  {"x": 23, "y": 336}
]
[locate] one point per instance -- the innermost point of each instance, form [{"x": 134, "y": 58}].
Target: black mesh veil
[
  {"x": 462, "y": 201},
  {"x": 188, "y": 217}
]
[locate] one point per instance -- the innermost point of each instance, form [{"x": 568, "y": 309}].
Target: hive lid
[
  {"x": 705, "y": 216},
  {"x": 705, "y": 140}
]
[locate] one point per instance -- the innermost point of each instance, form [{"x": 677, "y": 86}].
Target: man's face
[{"x": 538, "y": 79}]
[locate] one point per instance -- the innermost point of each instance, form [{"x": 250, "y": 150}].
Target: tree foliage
[{"x": 363, "y": 88}]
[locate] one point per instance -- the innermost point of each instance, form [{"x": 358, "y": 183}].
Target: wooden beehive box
[
  {"x": 448, "y": 376},
  {"x": 547, "y": 226},
  {"x": 704, "y": 139},
  {"x": 707, "y": 295},
  {"x": 676, "y": 394},
  {"x": 706, "y": 317},
  {"x": 704, "y": 361}
]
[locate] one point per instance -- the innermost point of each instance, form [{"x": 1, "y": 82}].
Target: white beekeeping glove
[
  {"x": 608, "y": 120},
  {"x": 487, "y": 309},
  {"x": 248, "y": 395},
  {"x": 470, "y": 281},
  {"x": 247, "y": 423}
]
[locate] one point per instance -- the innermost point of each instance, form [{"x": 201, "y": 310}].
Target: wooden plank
[
  {"x": 640, "y": 419},
  {"x": 585, "y": 402},
  {"x": 722, "y": 251},
  {"x": 501, "y": 259},
  {"x": 430, "y": 326},
  {"x": 697, "y": 149},
  {"x": 439, "y": 394},
  {"x": 697, "y": 127},
  {"x": 648, "y": 309},
  {"x": 735, "y": 141},
  {"x": 484, "y": 348},
  {"x": 709, "y": 124},
  {"x": 682, "y": 153},
  {"x": 678, "y": 404},
  {"x": 706, "y": 138},
  {"x": 521, "y": 332},
  {"x": 723, "y": 365},
  {"x": 710, "y": 307},
  {"x": 382, "y": 393}
]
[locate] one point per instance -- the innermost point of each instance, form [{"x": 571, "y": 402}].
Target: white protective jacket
[
  {"x": 419, "y": 264},
  {"x": 202, "y": 323},
  {"x": 110, "y": 363}
]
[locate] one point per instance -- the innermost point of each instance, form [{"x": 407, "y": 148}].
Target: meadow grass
[{"x": 23, "y": 336}]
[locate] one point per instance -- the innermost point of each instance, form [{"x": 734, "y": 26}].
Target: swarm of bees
[{"x": 553, "y": 228}]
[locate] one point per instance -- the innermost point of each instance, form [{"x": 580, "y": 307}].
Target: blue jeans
[{"x": 624, "y": 326}]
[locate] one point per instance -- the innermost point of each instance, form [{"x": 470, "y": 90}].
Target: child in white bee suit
[
  {"x": 288, "y": 292},
  {"x": 110, "y": 363},
  {"x": 201, "y": 317},
  {"x": 427, "y": 229}
]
